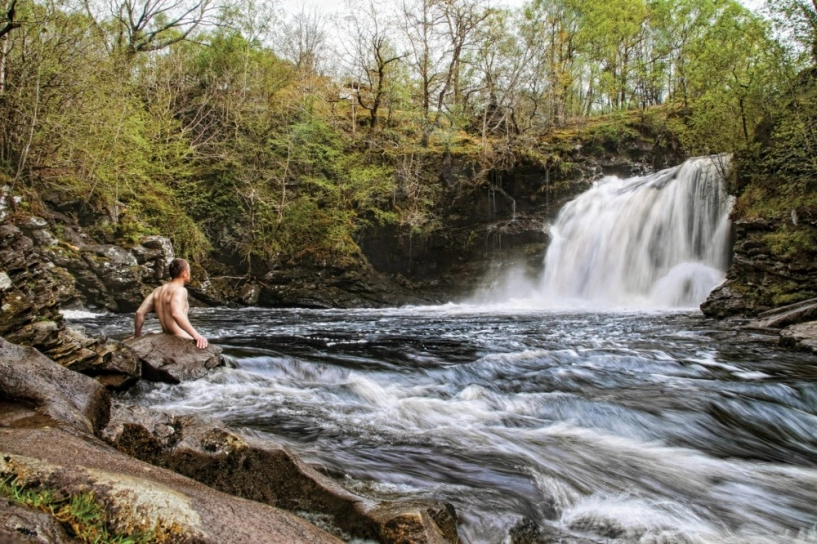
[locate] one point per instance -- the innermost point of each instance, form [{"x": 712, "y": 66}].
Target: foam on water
[{"x": 73, "y": 315}]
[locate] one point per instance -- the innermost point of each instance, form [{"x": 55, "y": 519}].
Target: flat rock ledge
[
  {"x": 785, "y": 316},
  {"x": 140, "y": 498},
  {"x": 802, "y": 336},
  {"x": 171, "y": 359}
]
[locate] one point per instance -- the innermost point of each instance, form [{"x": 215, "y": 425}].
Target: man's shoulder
[{"x": 177, "y": 289}]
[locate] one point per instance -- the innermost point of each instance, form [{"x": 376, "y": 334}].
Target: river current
[
  {"x": 554, "y": 406},
  {"x": 604, "y": 426}
]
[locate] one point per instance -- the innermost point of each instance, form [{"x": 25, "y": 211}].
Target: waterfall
[{"x": 655, "y": 241}]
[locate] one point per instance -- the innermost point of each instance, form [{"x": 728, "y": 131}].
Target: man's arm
[
  {"x": 144, "y": 309},
  {"x": 178, "y": 311}
]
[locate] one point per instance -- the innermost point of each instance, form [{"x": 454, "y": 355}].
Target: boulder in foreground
[
  {"x": 264, "y": 471},
  {"x": 138, "y": 498},
  {"x": 171, "y": 359},
  {"x": 64, "y": 395}
]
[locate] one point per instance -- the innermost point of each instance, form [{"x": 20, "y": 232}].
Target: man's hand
[{"x": 201, "y": 342}]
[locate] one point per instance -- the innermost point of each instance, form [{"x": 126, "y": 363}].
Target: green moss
[
  {"x": 791, "y": 243},
  {"x": 80, "y": 515}
]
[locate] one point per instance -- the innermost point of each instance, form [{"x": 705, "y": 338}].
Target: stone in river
[
  {"x": 264, "y": 471},
  {"x": 171, "y": 359}
]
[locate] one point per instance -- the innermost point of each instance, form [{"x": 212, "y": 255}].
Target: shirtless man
[{"x": 170, "y": 304}]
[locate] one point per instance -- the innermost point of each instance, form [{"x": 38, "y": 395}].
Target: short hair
[{"x": 176, "y": 267}]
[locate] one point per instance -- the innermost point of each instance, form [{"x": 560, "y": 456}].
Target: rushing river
[
  {"x": 605, "y": 426},
  {"x": 598, "y": 425}
]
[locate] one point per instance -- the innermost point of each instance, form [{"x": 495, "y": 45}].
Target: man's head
[{"x": 179, "y": 268}]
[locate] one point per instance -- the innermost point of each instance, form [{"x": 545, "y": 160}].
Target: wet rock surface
[
  {"x": 264, "y": 471},
  {"x": 171, "y": 359},
  {"x": 526, "y": 531}
]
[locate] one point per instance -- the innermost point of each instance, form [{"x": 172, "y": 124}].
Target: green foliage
[{"x": 218, "y": 142}]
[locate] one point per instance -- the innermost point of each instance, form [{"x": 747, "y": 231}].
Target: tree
[
  {"x": 150, "y": 25},
  {"x": 463, "y": 19},
  {"x": 373, "y": 55},
  {"x": 797, "y": 20},
  {"x": 11, "y": 22},
  {"x": 421, "y": 23},
  {"x": 304, "y": 40}
]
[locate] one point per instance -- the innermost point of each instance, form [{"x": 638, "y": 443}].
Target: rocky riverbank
[
  {"x": 146, "y": 473},
  {"x": 61, "y": 436}
]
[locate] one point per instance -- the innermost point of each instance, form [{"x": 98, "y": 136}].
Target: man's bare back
[
  {"x": 170, "y": 304},
  {"x": 162, "y": 304}
]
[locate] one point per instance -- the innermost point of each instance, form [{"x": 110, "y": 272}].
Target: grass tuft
[{"x": 80, "y": 515}]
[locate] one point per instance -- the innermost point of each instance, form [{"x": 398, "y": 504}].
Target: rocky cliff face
[
  {"x": 489, "y": 224},
  {"x": 775, "y": 182},
  {"x": 40, "y": 275},
  {"x": 761, "y": 278}
]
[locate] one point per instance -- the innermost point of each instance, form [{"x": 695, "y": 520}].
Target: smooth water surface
[{"x": 600, "y": 427}]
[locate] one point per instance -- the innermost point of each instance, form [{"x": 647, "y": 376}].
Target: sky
[{"x": 330, "y": 6}]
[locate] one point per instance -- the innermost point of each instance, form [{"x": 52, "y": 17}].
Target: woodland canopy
[{"x": 237, "y": 126}]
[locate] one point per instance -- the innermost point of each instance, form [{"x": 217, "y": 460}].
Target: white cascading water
[{"x": 655, "y": 241}]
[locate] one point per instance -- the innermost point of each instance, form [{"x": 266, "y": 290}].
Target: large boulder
[
  {"x": 171, "y": 359},
  {"x": 109, "y": 276},
  {"x": 266, "y": 472},
  {"x": 137, "y": 498},
  {"x": 802, "y": 336},
  {"x": 64, "y": 395}
]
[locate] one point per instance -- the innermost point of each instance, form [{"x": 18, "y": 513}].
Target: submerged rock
[
  {"x": 171, "y": 359},
  {"x": 264, "y": 471},
  {"x": 526, "y": 531}
]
